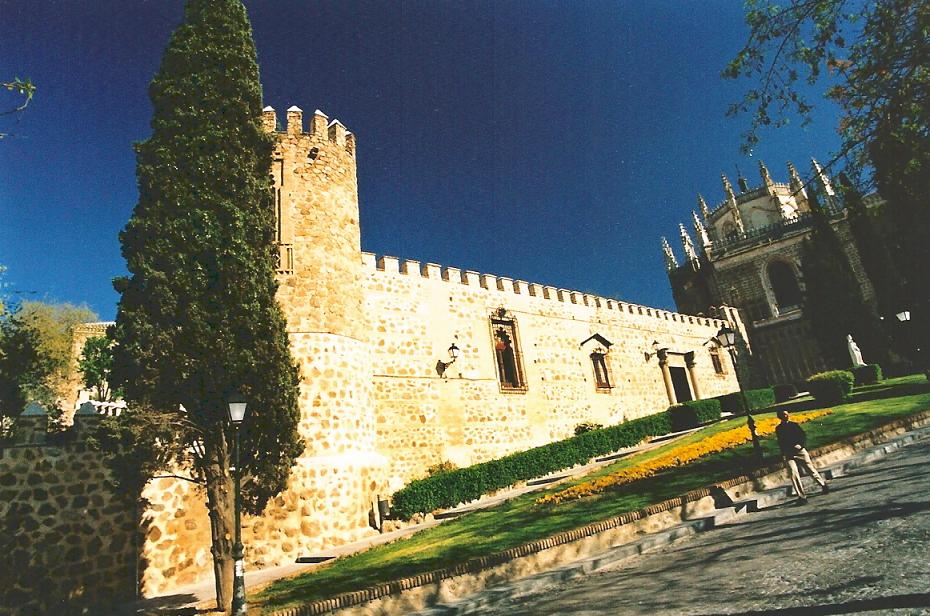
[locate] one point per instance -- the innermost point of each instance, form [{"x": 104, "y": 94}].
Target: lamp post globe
[{"x": 236, "y": 405}]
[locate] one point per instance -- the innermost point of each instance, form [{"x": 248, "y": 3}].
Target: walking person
[{"x": 791, "y": 441}]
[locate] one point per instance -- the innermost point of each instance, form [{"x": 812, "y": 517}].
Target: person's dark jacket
[{"x": 790, "y": 434}]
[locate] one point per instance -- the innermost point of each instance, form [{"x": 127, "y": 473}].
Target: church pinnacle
[
  {"x": 700, "y": 231},
  {"x": 731, "y": 203},
  {"x": 705, "y": 211},
  {"x": 766, "y": 176},
  {"x": 671, "y": 263},
  {"x": 690, "y": 252}
]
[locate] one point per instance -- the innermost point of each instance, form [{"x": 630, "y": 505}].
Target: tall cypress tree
[
  {"x": 832, "y": 301},
  {"x": 197, "y": 317}
]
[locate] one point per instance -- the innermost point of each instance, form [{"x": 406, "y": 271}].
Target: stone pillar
[
  {"x": 662, "y": 354},
  {"x": 690, "y": 363}
]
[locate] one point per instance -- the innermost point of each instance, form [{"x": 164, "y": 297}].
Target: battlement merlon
[
  {"x": 321, "y": 129},
  {"x": 395, "y": 266}
]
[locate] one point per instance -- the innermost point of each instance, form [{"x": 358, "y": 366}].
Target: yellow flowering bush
[{"x": 679, "y": 456}]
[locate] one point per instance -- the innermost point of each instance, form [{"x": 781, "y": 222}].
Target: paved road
[{"x": 864, "y": 548}]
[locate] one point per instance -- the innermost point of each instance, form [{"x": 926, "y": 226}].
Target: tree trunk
[{"x": 220, "y": 504}]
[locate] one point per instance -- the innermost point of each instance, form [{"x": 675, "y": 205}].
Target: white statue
[{"x": 854, "y": 353}]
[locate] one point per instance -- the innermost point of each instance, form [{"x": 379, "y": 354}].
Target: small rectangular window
[
  {"x": 715, "y": 360},
  {"x": 601, "y": 374}
]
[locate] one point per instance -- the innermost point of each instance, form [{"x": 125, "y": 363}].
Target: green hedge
[
  {"x": 448, "y": 489},
  {"x": 784, "y": 392},
  {"x": 757, "y": 398},
  {"x": 831, "y": 387},
  {"x": 866, "y": 375},
  {"x": 692, "y": 414}
]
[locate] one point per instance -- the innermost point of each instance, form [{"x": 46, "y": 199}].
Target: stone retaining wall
[{"x": 68, "y": 538}]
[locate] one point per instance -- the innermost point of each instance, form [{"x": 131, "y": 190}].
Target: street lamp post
[
  {"x": 236, "y": 406},
  {"x": 727, "y": 339}
]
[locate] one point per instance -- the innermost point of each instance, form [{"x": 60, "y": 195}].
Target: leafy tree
[
  {"x": 35, "y": 353},
  {"x": 24, "y": 365},
  {"x": 96, "y": 367},
  {"x": 832, "y": 300},
  {"x": 871, "y": 56},
  {"x": 901, "y": 156},
  {"x": 197, "y": 317},
  {"x": 55, "y": 323}
]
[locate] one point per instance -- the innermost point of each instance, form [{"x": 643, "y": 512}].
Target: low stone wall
[
  {"x": 68, "y": 537},
  {"x": 418, "y": 592}
]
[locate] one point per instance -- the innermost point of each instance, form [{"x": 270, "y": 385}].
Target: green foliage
[
  {"x": 96, "y": 366},
  {"x": 833, "y": 299},
  {"x": 784, "y": 392},
  {"x": 197, "y": 317},
  {"x": 867, "y": 375},
  {"x": 693, "y": 413},
  {"x": 587, "y": 426},
  {"x": 831, "y": 387},
  {"x": 35, "y": 353},
  {"x": 469, "y": 483},
  {"x": 25, "y": 367},
  {"x": 864, "y": 53}
]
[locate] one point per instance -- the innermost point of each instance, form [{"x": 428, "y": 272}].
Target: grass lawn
[{"x": 519, "y": 520}]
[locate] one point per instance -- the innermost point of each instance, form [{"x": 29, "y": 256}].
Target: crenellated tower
[{"x": 322, "y": 295}]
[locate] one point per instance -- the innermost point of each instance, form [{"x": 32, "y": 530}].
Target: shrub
[
  {"x": 866, "y": 375},
  {"x": 461, "y": 485},
  {"x": 441, "y": 467},
  {"x": 831, "y": 387},
  {"x": 693, "y": 413},
  {"x": 587, "y": 427},
  {"x": 784, "y": 392},
  {"x": 757, "y": 398}
]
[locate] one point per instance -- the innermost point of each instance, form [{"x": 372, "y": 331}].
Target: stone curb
[{"x": 746, "y": 483}]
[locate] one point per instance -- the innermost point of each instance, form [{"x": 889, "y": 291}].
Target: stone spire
[
  {"x": 728, "y": 188},
  {"x": 766, "y": 176},
  {"x": 705, "y": 211},
  {"x": 690, "y": 252},
  {"x": 797, "y": 185},
  {"x": 826, "y": 186},
  {"x": 700, "y": 232},
  {"x": 731, "y": 203},
  {"x": 670, "y": 262}
]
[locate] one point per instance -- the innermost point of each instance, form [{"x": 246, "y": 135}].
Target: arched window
[
  {"x": 729, "y": 229},
  {"x": 784, "y": 286}
]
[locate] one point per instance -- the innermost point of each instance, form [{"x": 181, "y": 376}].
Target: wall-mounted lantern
[{"x": 442, "y": 366}]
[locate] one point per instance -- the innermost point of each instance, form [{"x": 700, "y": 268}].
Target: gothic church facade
[{"x": 748, "y": 255}]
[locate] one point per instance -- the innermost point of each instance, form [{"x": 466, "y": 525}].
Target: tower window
[
  {"x": 784, "y": 286},
  {"x": 507, "y": 352}
]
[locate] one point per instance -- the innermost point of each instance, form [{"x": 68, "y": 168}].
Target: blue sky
[{"x": 548, "y": 141}]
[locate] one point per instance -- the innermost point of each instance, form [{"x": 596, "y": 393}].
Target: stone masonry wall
[{"x": 69, "y": 539}]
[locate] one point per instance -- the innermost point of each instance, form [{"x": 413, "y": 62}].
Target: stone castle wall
[{"x": 69, "y": 539}]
